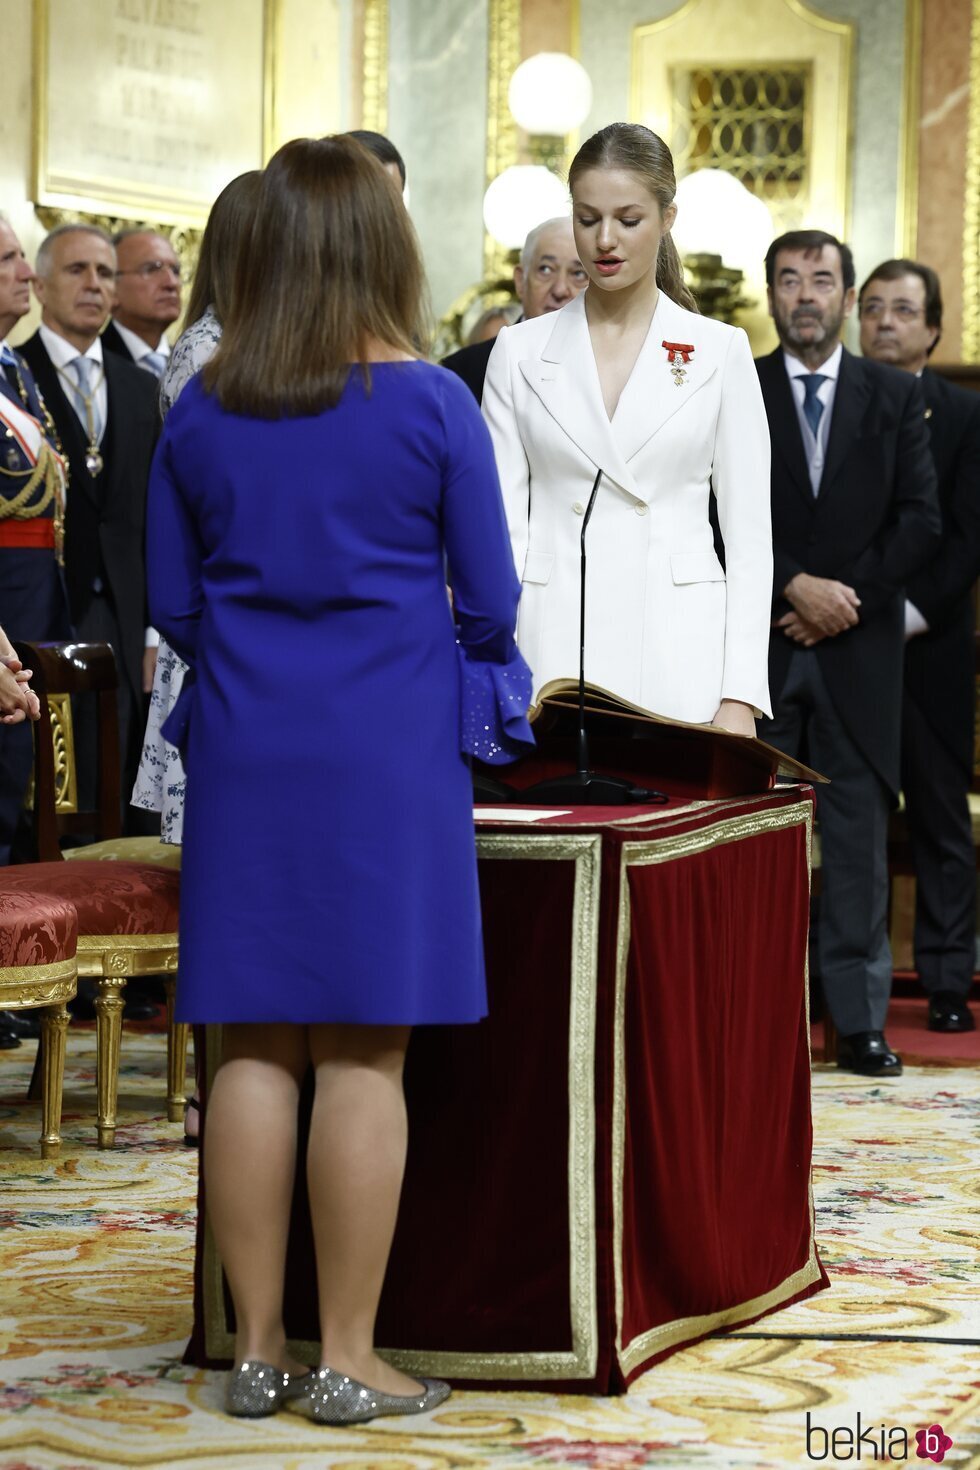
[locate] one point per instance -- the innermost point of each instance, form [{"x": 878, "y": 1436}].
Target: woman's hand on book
[{"x": 736, "y": 717}]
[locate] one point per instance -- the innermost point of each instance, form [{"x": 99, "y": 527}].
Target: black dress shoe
[
  {"x": 8, "y": 1040},
  {"x": 25, "y": 1024},
  {"x": 137, "y": 1008},
  {"x": 949, "y": 1011},
  {"x": 868, "y": 1053}
]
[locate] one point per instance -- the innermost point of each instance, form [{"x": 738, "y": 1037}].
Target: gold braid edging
[{"x": 46, "y": 472}]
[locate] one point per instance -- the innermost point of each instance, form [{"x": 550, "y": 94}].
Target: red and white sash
[{"x": 23, "y": 426}]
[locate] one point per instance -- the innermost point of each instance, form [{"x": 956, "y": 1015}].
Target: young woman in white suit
[{"x": 630, "y": 380}]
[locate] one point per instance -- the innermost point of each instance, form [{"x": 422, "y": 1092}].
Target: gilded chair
[
  {"x": 126, "y": 890},
  {"x": 38, "y": 936}
]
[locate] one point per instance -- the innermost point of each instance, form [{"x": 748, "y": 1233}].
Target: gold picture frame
[{"x": 164, "y": 106}]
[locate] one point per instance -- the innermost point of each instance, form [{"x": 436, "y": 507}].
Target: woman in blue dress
[{"x": 309, "y": 488}]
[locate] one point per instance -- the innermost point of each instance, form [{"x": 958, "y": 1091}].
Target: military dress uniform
[{"x": 33, "y": 600}]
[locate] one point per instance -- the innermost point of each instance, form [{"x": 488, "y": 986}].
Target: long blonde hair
[{"x": 632, "y": 146}]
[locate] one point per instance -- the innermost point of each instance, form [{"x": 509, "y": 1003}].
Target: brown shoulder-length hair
[
  {"x": 226, "y": 231},
  {"x": 331, "y": 268},
  {"x": 636, "y": 148}
]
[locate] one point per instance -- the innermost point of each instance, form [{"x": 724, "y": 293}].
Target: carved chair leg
[
  {"x": 109, "y": 1002},
  {"x": 177, "y": 1039},
  {"x": 54, "y": 1028}
]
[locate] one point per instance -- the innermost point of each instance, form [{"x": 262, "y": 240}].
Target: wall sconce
[
  {"x": 550, "y": 95},
  {"x": 520, "y": 198},
  {"x": 722, "y": 233}
]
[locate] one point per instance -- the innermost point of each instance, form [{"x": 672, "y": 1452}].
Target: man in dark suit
[
  {"x": 549, "y": 275},
  {"x": 147, "y": 299},
  {"x": 901, "y": 312},
  {"x": 855, "y": 514},
  {"x": 106, "y": 414}
]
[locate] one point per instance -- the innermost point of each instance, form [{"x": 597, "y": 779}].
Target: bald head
[{"x": 550, "y": 273}]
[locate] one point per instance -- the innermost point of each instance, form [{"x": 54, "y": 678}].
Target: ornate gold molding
[
  {"x": 503, "y": 59},
  {"x": 971, "y": 206},
  {"x": 120, "y": 956},
  {"x": 374, "y": 103},
  {"x": 22, "y": 986}
]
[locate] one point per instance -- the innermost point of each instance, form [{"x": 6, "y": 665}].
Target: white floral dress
[{"x": 161, "y": 781}]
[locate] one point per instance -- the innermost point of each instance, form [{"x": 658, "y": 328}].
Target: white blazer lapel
[
  {"x": 565, "y": 379},
  {"x": 651, "y": 396}
]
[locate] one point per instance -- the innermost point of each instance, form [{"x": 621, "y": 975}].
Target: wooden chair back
[{"x": 60, "y": 671}]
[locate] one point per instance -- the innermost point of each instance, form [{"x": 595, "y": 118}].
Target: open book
[{"x": 602, "y": 708}]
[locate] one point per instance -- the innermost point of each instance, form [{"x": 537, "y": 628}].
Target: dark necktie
[{"x": 812, "y": 407}]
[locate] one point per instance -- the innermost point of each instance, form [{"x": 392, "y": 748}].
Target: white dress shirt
[
  {"x": 61, "y": 353},
  {"x": 815, "y": 444},
  {"x": 137, "y": 347}
]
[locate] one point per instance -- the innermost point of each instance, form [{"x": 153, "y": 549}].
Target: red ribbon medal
[{"x": 678, "y": 356}]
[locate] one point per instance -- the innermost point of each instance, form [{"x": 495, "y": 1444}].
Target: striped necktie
[
  {"x": 154, "y": 362},
  {"x": 85, "y": 402}
]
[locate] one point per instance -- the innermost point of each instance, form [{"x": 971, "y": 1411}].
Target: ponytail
[{"x": 670, "y": 275}]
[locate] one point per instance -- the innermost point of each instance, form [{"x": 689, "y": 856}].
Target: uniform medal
[{"x": 678, "y": 356}]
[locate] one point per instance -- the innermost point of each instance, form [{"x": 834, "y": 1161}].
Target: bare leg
[
  {"x": 250, "y": 1162},
  {"x": 355, "y": 1165}
]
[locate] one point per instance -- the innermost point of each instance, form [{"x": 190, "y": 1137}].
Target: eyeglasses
[
  {"x": 152, "y": 268},
  {"x": 873, "y": 311}
]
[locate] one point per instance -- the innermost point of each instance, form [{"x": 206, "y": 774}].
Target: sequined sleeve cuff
[{"x": 495, "y": 700}]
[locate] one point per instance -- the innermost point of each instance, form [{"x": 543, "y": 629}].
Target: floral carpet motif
[{"x": 96, "y": 1253}]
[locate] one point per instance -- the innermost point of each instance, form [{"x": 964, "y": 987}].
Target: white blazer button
[
  {"x": 578, "y": 508},
  {"x": 641, "y": 510}
]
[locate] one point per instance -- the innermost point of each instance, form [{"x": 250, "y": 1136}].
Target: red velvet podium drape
[{"x": 617, "y": 1161}]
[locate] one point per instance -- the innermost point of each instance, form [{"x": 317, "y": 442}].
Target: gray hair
[
  {"x": 531, "y": 243},
  {"x": 131, "y": 230},
  {"x": 43, "y": 264}
]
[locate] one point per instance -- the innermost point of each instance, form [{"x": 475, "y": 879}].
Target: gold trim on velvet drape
[{"x": 638, "y": 854}]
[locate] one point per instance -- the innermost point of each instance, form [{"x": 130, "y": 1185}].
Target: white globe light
[
  {"x": 717, "y": 215},
  {"x": 550, "y": 93},
  {"x": 518, "y": 199}
]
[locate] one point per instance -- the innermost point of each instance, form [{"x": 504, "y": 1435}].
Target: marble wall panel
[{"x": 437, "y": 107}]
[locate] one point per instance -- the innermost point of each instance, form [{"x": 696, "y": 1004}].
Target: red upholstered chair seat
[
  {"x": 39, "y": 970},
  {"x": 111, "y": 899},
  {"x": 35, "y": 928}
]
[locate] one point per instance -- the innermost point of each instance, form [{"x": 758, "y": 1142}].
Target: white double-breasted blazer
[{"x": 666, "y": 626}]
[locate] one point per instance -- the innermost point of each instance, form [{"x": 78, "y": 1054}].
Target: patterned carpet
[{"x": 95, "y": 1261}]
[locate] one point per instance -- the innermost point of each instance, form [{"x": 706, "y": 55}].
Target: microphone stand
[{"x": 587, "y": 787}]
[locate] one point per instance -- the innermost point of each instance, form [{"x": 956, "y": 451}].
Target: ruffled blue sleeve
[
  {"x": 494, "y": 700},
  {"x": 495, "y": 682}
]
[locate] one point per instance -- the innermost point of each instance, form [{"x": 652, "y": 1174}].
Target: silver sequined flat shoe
[
  {"x": 256, "y": 1390},
  {"x": 333, "y": 1398}
]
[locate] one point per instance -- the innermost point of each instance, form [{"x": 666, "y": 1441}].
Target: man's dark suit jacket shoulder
[
  {"x": 106, "y": 514},
  {"x": 939, "y": 665},
  {"x": 112, "y": 342},
  {"x": 470, "y": 364},
  {"x": 873, "y": 524}
]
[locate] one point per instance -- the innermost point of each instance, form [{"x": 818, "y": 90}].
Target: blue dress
[{"x": 298, "y": 567}]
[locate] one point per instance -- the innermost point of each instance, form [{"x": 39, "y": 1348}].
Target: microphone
[{"x": 586, "y": 787}]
